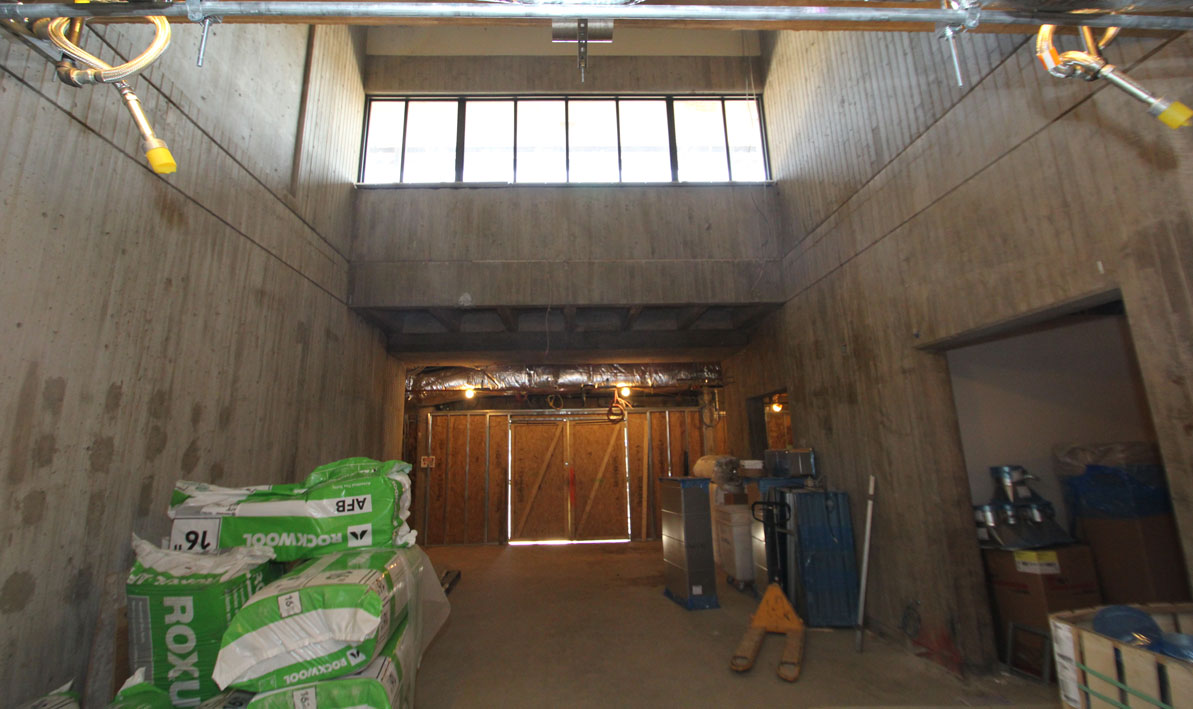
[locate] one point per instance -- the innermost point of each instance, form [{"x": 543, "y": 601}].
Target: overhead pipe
[
  {"x": 199, "y": 10},
  {"x": 557, "y": 378}
]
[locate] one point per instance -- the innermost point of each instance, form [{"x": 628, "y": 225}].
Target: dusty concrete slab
[{"x": 588, "y": 625}]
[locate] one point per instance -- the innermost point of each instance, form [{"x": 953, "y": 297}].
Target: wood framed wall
[{"x": 571, "y": 474}]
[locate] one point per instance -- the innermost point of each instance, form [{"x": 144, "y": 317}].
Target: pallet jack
[{"x": 774, "y": 614}]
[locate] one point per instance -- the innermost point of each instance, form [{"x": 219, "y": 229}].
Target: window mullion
[
  {"x": 461, "y": 112},
  {"x": 617, "y": 120},
  {"x": 567, "y": 141},
  {"x": 671, "y": 139},
  {"x": 405, "y": 121},
  {"x": 725, "y": 128},
  {"x": 515, "y": 141},
  {"x": 762, "y": 137}
]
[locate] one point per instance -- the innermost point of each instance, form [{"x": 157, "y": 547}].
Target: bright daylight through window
[{"x": 562, "y": 139}]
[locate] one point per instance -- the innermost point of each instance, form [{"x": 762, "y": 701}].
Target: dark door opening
[{"x": 1050, "y": 397}]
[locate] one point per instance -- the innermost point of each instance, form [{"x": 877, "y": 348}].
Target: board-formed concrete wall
[
  {"x": 155, "y": 329},
  {"x": 918, "y": 216}
]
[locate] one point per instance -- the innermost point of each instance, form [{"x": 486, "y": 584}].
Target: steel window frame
[{"x": 517, "y": 99}]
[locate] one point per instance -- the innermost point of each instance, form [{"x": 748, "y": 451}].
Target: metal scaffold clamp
[
  {"x": 949, "y": 32},
  {"x": 194, "y": 10},
  {"x": 1091, "y": 65},
  {"x": 194, "y": 13}
]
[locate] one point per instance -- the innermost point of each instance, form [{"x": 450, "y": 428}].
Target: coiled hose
[{"x": 100, "y": 72}]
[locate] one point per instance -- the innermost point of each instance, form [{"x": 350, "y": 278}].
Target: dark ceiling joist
[
  {"x": 508, "y": 318},
  {"x": 449, "y": 319},
  {"x": 747, "y": 318},
  {"x": 388, "y": 320},
  {"x": 688, "y": 316},
  {"x": 631, "y": 317},
  {"x": 533, "y": 341}
]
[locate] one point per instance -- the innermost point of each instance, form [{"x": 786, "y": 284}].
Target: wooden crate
[{"x": 1098, "y": 672}]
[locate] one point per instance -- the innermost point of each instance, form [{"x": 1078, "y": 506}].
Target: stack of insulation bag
[{"x": 308, "y": 595}]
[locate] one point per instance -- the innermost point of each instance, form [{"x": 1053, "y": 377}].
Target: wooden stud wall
[
  {"x": 450, "y": 497},
  {"x": 956, "y": 217}
]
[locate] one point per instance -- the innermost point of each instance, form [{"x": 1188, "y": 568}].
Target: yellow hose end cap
[
  {"x": 1176, "y": 115},
  {"x": 161, "y": 161}
]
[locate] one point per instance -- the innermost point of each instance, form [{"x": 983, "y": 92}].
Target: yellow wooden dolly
[{"x": 774, "y": 614}]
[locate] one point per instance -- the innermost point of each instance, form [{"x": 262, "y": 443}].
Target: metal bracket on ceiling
[
  {"x": 582, "y": 32},
  {"x": 582, "y": 47},
  {"x": 949, "y": 32},
  {"x": 207, "y": 22},
  {"x": 194, "y": 13}
]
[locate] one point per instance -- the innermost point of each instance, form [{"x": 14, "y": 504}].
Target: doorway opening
[
  {"x": 768, "y": 419},
  {"x": 1035, "y": 405},
  {"x": 552, "y": 475}
]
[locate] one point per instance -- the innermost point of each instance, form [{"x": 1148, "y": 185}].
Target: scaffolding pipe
[{"x": 198, "y": 10}]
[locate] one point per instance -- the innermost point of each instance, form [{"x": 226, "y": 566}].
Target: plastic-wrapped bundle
[
  {"x": 356, "y": 502},
  {"x": 61, "y": 698},
  {"x": 327, "y": 618},
  {"x": 1118, "y": 493},
  {"x": 139, "y": 693},
  {"x": 179, "y": 605},
  {"x": 386, "y": 683}
]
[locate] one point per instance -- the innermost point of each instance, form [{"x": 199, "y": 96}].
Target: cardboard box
[
  {"x": 1026, "y": 586},
  {"x": 1139, "y": 560},
  {"x": 1090, "y": 665}
]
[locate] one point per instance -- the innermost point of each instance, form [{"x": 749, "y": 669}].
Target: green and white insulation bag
[
  {"x": 179, "y": 605},
  {"x": 139, "y": 693},
  {"x": 228, "y": 699},
  {"x": 356, "y": 502},
  {"x": 61, "y": 698},
  {"x": 385, "y": 683},
  {"x": 326, "y": 618}
]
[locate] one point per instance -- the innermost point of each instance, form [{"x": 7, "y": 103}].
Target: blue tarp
[{"x": 1123, "y": 492}]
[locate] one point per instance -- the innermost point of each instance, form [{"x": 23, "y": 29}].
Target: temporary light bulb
[
  {"x": 625, "y": 391},
  {"x": 469, "y": 393},
  {"x": 776, "y": 407}
]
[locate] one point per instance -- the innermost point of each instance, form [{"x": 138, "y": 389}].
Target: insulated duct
[
  {"x": 1078, "y": 6},
  {"x": 559, "y": 378}
]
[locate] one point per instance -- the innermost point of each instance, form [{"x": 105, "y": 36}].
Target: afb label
[{"x": 340, "y": 506}]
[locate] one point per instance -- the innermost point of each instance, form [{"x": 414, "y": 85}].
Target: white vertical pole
[{"x": 861, "y": 596}]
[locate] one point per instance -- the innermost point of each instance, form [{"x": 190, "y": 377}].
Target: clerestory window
[{"x": 563, "y": 139}]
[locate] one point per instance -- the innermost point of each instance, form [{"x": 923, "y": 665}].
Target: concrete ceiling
[
  {"x": 565, "y": 334},
  {"x": 469, "y": 40}
]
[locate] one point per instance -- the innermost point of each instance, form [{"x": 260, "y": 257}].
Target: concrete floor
[{"x": 588, "y": 625}]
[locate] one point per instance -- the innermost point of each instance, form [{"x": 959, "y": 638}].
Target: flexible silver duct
[
  {"x": 198, "y": 10},
  {"x": 559, "y": 378},
  {"x": 1087, "y": 5}
]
